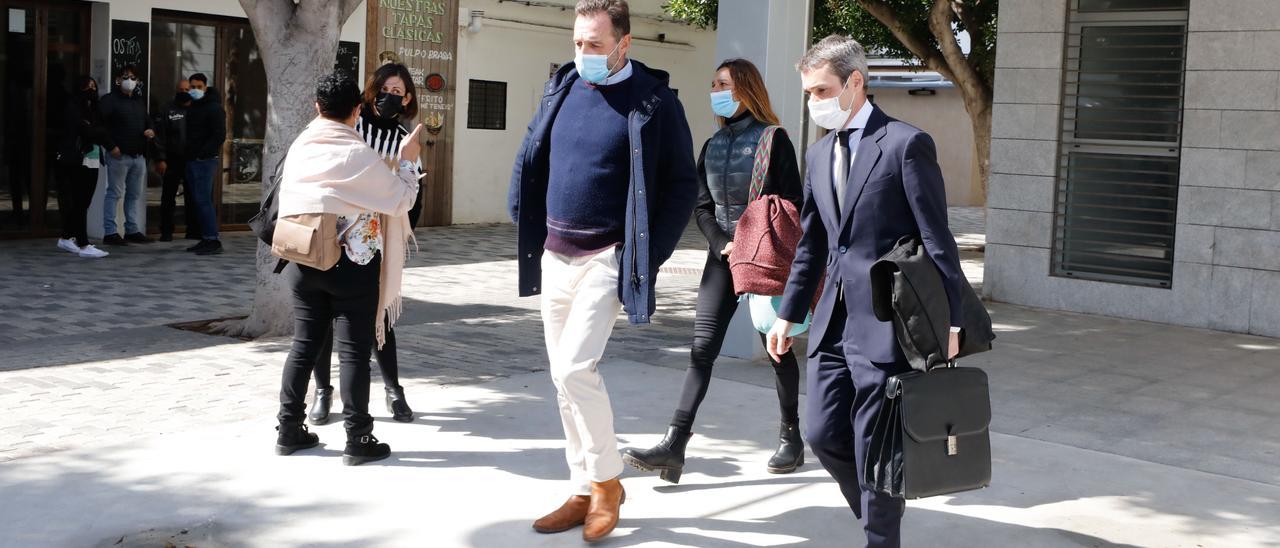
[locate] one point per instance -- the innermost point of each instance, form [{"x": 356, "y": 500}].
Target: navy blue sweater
[{"x": 589, "y": 174}]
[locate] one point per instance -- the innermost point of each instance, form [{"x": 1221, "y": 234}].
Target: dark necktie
[{"x": 842, "y": 166}]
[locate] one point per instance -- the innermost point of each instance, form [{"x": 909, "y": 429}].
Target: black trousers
[
  {"x": 175, "y": 177},
  {"x": 388, "y": 363},
  {"x": 716, "y": 305},
  {"x": 845, "y": 393},
  {"x": 346, "y": 298},
  {"x": 76, "y": 186}
]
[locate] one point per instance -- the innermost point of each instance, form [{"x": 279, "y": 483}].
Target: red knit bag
[{"x": 768, "y": 231}]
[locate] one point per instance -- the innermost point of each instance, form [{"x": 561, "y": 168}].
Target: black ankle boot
[
  {"x": 320, "y": 406},
  {"x": 294, "y": 437},
  {"x": 667, "y": 456},
  {"x": 397, "y": 405},
  {"x": 790, "y": 454},
  {"x": 364, "y": 449}
]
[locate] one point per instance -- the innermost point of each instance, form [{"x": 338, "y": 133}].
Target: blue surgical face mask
[
  {"x": 196, "y": 94},
  {"x": 594, "y": 68},
  {"x": 722, "y": 103}
]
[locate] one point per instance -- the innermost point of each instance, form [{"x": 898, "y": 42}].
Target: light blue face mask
[
  {"x": 196, "y": 94},
  {"x": 722, "y": 103},
  {"x": 594, "y": 68}
]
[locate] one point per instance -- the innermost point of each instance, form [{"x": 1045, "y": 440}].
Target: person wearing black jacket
[
  {"x": 124, "y": 111},
  {"x": 206, "y": 132},
  {"x": 80, "y": 154},
  {"x": 389, "y": 100},
  {"x": 741, "y": 102},
  {"x": 171, "y": 163}
]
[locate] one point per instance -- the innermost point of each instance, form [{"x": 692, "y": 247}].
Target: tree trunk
[
  {"x": 298, "y": 44},
  {"x": 980, "y": 116}
]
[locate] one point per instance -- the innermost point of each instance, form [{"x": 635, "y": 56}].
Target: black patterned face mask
[{"x": 389, "y": 105}]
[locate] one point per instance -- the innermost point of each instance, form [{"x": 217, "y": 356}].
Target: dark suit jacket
[{"x": 895, "y": 188}]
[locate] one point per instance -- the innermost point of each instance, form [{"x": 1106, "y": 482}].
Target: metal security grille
[
  {"x": 1117, "y": 188},
  {"x": 487, "y": 106}
]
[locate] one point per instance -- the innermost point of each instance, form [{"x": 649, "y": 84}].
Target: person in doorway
[
  {"x": 125, "y": 114},
  {"x": 389, "y": 101},
  {"x": 608, "y": 134},
  {"x": 330, "y": 169},
  {"x": 206, "y": 131},
  {"x": 871, "y": 180},
  {"x": 741, "y": 104},
  {"x": 80, "y": 154},
  {"x": 171, "y": 163}
]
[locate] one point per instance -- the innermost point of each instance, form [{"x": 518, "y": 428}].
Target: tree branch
[
  {"x": 929, "y": 55},
  {"x": 976, "y": 34},
  {"x": 963, "y": 74}
]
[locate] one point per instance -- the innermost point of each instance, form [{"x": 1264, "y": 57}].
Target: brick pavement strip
[{"x": 103, "y": 389}]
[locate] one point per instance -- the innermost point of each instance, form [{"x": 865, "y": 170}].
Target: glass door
[
  {"x": 17, "y": 65},
  {"x": 180, "y": 48},
  {"x": 224, "y": 49},
  {"x": 245, "y": 88},
  {"x": 43, "y": 51}
]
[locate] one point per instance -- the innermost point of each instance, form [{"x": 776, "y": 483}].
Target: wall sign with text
[
  {"x": 130, "y": 44},
  {"x": 423, "y": 36}
]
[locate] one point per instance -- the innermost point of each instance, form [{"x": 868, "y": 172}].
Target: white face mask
[
  {"x": 128, "y": 85},
  {"x": 828, "y": 113}
]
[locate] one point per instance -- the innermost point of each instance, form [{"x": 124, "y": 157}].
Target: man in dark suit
[{"x": 871, "y": 180}]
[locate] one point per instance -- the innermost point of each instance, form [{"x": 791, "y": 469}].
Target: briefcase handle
[{"x": 893, "y": 386}]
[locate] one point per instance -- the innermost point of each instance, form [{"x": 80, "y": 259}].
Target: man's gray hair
[{"x": 843, "y": 54}]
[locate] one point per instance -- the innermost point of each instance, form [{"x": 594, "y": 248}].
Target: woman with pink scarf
[{"x": 330, "y": 169}]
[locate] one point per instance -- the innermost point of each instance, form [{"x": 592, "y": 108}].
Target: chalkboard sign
[
  {"x": 349, "y": 58},
  {"x": 130, "y": 44}
]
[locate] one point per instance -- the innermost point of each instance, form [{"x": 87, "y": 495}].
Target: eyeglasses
[{"x": 129, "y": 78}]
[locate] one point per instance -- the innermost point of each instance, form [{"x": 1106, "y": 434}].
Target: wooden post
[{"x": 423, "y": 36}]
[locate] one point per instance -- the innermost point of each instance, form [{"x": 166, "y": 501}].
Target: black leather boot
[
  {"x": 364, "y": 449},
  {"x": 790, "y": 453},
  {"x": 294, "y": 437},
  {"x": 397, "y": 405},
  {"x": 666, "y": 457},
  {"x": 320, "y": 406}
]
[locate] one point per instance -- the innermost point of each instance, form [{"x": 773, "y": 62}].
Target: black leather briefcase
[{"x": 932, "y": 435}]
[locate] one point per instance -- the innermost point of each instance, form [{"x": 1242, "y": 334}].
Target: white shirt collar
[
  {"x": 621, "y": 75},
  {"x": 859, "y": 120}
]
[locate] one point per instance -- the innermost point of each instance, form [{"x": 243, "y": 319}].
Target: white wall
[{"x": 519, "y": 51}]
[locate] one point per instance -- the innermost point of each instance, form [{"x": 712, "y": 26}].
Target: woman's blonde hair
[{"x": 749, "y": 89}]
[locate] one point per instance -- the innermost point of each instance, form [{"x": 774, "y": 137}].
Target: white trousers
[{"x": 579, "y": 309}]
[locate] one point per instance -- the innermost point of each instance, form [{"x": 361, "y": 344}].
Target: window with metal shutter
[
  {"x": 1117, "y": 188},
  {"x": 487, "y": 105}
]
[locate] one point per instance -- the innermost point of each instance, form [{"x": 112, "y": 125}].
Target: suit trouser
[
  {"x": 579, "y": 309},
  {"x": 845, "y": 393}
]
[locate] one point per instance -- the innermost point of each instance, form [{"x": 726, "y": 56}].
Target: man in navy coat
[{"x": 870, "y": 181}]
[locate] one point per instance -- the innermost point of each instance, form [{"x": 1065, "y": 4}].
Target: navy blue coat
[
  {"x": 895, "y": 188},
  {"x": 662, "y": 191}
]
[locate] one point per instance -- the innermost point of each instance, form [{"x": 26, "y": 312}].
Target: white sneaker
[
  {"x": 69, "y": 246},
  {"x": 91, "y": 252}
]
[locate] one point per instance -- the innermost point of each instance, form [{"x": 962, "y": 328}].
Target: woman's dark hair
[
  {"x": 374, "y": 86},
  {"x": 337, "y": 95},
  {"x": 83, "y": 82},
  {"x": 749, "y": 89}
]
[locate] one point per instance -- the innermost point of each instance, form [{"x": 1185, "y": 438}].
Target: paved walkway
[{"x": 1107, "y": 432}]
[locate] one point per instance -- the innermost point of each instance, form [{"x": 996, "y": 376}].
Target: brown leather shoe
[
  {"x": 602, "y": 517},
  {"x": 569, "y": 515}
]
